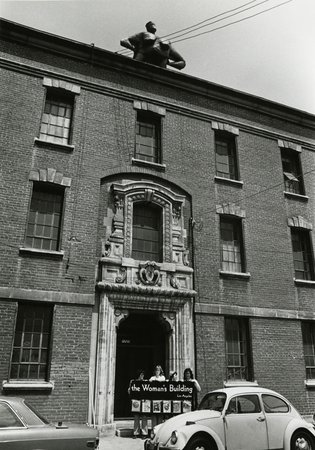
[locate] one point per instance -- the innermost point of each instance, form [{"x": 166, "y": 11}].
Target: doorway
[{"x": 141, "y": 344}]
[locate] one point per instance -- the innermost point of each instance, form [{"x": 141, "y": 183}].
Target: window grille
[
  {"x": 148, "y": 138},
  {"x": 238, "y": 363},
  {"x": 44, "y": 221},
  {"x": 302, "y": 254},
  {"x": 308, "y": 333},
  {"x": 56, "y": 119},
  {"x": 292, "y": 172},
  {"x": 147, "y": 233},
  {"x": 226, "y": 161},
  {"x": 30, "y": 355},
  {"x": 231, "y": 245}
]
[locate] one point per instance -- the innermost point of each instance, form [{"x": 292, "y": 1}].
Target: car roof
[
  {"x": 10, "y": 399},
  {"x": 234, "y": 390}
]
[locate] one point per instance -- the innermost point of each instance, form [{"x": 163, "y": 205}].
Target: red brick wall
[{"x": 103, "y": 136}]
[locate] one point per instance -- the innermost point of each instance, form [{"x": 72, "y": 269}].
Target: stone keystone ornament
[{"x": 149, "y": 274}]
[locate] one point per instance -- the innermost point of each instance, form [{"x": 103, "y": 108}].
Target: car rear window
[
  {"x": 273, "y": 404},
  {"x": 8, "y": 418},
  {"x": 31, "y": 416}
]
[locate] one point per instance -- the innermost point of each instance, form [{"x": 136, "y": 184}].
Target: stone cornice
[
  {"x": 175, "y": 108},
  {"x": 13, "y": 293},
  {"x": 68, "y": 48},
  {"x": 250, "y": 311},
  {"x": 144, "y": 290}
]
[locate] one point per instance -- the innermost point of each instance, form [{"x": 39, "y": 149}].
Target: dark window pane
[
  {"x": 148, "y": 138},
  {"x": 231, "y": 245},
  {"x": 302, "y": 254},
  {"x": 147, "y": 233},
  {"x": 308, "y": 334},
  {"x": 237, "y": 353},
  {"x": 292, "y": 171},
  {"x": 46, "y": 209},
  {"x": 30, "y": 354},
  {"x": 226, "y": 162}
]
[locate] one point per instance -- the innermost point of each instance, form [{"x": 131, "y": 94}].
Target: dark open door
[{"x": 141, "y": 344}]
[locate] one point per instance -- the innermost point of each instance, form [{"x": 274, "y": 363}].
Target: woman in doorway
[
  {"x": 140, "y": 426},
  {"x": 158, "y": 375},
  {"x": 189, "y": 376}
]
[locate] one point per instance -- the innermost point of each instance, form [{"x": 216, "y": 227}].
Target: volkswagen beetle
[
  {"x": 236, "y": 418},
  {"x": 22, "y": 428}
]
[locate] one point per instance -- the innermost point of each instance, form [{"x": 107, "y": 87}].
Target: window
[
  {"x": 244, "y": 404},
  {"x": 302, "y": 254},
  {"x": 226, "y": 161},
  {"x": 231, "y": 241},
  {"x": 56, "y": 119},
  {"x": 308, "y": 333},
  {"x": 30, "y": 354},
  {"x": 274, "y": 404},
  {"x": 8, "y": 419},
  {"x": 147, "y": 232},
  {"x": 292, "y": 171},
  {"x": 44, "y": 221},
  {"x": 148, "y": 137},
  {"x": 238, "y": 361}
]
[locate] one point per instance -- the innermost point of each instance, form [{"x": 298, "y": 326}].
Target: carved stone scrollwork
[
  {"x": 121, "y": 278},
  {"x": 119, "y": 315},
  {"x": 186, "y": 258},
  {"x": 149, "y": 274},
  {"x": 173, "y": 282},
  {"x": 106, "y": 248},
  {"x": 118, "y": 219},
  {"x": 176, "y": 212}
]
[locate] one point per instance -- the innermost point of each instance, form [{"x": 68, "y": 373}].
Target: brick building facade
[{"x": 148, "y": 217}]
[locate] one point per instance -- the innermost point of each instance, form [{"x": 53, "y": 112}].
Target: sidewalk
[{"x": 120, "y": 443}]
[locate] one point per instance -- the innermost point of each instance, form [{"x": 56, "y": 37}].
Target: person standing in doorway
[
  {"x": 189, "y": 376},
  {"x": 140, "y": 426},
  {"x": 158, "y": 375}
]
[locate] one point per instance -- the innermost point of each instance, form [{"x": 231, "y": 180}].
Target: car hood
[{"x": 164, "y": 431}]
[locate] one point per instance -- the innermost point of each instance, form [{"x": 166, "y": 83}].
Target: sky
[{"x": 270, "y": 55}]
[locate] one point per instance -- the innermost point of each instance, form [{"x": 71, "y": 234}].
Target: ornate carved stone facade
[
  {"x": 128, "y": 285},
  {"x": 117, "y": 265}
]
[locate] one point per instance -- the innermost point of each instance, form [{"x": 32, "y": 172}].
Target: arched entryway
[{"x": 141, "y": 343}]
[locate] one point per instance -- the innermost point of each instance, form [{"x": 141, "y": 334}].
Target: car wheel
[
  {"x": 198, "y": 444},
  {"x": 301, "y": 440}
]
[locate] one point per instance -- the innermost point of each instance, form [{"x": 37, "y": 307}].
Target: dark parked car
[{"x": 22, "y": 428}]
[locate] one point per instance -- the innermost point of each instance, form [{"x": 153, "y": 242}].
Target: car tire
[
  {"x": 302, "y": 440},
  {"x": 199, "y": 443}
]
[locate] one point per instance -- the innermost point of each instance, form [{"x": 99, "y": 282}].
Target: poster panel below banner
[{"x": 167, "y": 397}]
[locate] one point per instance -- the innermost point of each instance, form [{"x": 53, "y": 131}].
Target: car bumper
[{"x": 149, "y": 445}]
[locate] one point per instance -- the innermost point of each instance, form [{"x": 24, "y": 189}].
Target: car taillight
[{"x": 93, "y": 444}]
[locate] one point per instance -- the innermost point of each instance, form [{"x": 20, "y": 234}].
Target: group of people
[{"x": 140, "y": 420}]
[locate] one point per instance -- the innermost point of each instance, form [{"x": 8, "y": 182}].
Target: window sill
[
  {"x": 236, "y": 183},
  {"x": 303, "y": 198},
  {"x": 239, "y": 383},
  {"x": 150, "y": 165},
  {"x": 240, "y": 275},
  {"x": 309, "y": 383},
  {"x": 28, "y": 385},
  {"x": 38, "y": 251},
  {"x": 42, "y": 143},
  {"x": 310, "y": 283}
]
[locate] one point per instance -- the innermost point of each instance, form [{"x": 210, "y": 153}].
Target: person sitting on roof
[{"x": 149, "y": 48}]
